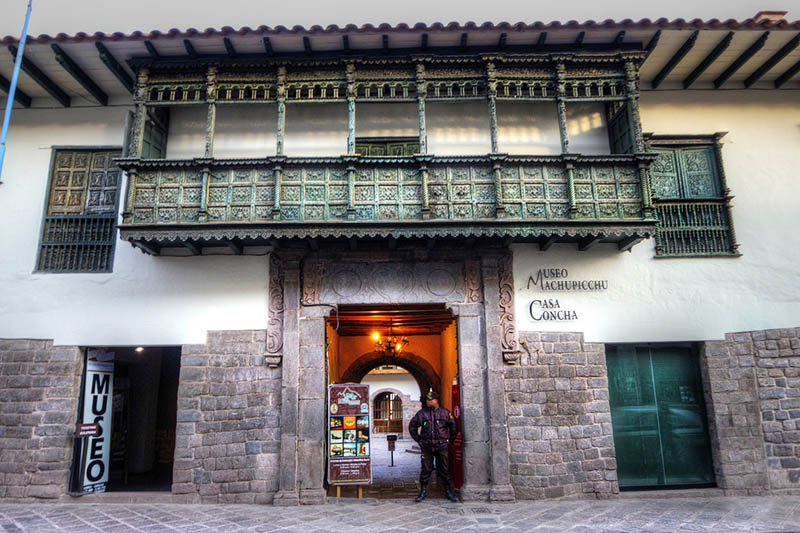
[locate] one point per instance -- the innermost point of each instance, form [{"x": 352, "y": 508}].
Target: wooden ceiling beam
[
  {"x": 579, "y": 39},
  {"x": 346, "y": 44},
  {"x": 542, "y": 39},
  {"x": 619, "y": 38},
  {"x": 41, "y": 78},
  {"x": 463, "y": 43},
  {"x": 113, "y": 65},
  {"x": 268, "y": 47},
  {"x": 786, "y": 76},
  {"x": 424, "y": 41},
  {"x": 652, "y": 44},
  {"x": 307, "y": 45},
  {"x": 229, "y": 48},
  {"x": 151, "y": 49},
  {"x": 741, "y": 60},
  {"x": 626, "y": 244},
  {"x": 187, "y": 44},
  {"x": 708, "y": 60},
  {"x": 785, "y": 50},
  {"x": 192, "y": 247},
  {"x": 547, "y": 242},
  {"x": 588, "y": 242},
  {"x": 20, "y": 96},
  {"x": 79, "y": 75},
  {"x": 501, "y": 43},
  {"x": 675, "y": 59}
]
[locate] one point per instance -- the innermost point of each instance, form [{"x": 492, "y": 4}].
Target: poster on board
[
  {"x": 97, "y": 396},
  {"x": 349, "y": 430}
]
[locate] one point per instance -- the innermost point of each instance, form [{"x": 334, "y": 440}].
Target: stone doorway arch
[{"x": 422, "y": 371}]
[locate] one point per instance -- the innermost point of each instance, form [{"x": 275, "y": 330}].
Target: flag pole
[{"x": 13, "y": 88}]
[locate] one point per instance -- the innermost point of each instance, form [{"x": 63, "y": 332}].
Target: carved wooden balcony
[{"x": 545, "y": 199}]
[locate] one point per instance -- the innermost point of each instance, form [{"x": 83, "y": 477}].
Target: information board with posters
[{"x": 349, "y": 430}]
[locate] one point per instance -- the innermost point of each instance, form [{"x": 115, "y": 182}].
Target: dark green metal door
[{"x": 660, "y": 429}]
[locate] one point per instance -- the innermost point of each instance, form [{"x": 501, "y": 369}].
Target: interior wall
[
  {"x": 316, "y": 130},
  {"x": 532, "y": 128},
  {"x": 332, "y": 340},
  {"x": 186, "y": 137},
  {"x": 400, "y": 119},
  {"x": 449, "y": 369},
  {"x": 246, "y": 130},
  {"x": 458, "y": 128},
  {"x": 404, "y": 382}
]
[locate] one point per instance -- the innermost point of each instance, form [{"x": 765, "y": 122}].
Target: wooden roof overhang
[{"x": 91, "y": 69}]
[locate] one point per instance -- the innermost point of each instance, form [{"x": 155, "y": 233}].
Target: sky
[{"x": 72, "y": 16}]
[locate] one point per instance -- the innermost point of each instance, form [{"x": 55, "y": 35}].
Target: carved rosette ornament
[
  {"x": 511, "y": 352},
  {"x": 275, "y": 322},
  {"x": 472, "y": 282},
  {"x": 312, "y": 282}
]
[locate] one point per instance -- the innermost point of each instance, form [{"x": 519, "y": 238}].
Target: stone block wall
[
  {"x": 777, "y": 354},
  {"x": 227, "y": 444},
  {"x": 40, "y": 386},
  {"x": 559, "y": 419},
  {"x": 753, "y": 394},
  {"x": 734, "y": 421}
]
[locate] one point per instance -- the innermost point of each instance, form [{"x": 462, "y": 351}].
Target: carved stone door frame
[{"x": 475, "y": 285}]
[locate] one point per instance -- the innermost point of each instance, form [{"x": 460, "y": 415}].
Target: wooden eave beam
[
  {"x": 589, "y": 241},
  {"x": 307, "y": 45},
  {"x": 21, "y": 97},
  {"x": 151, "y": 49},
  {"x": 674, "y": 60},
  {"x": 581, "y": 36},
  {"x": 786, "y": 76},
  {"x": 708, "y": 60},
  {"x": 192, "y": 247},
  {"x": 501, "y": 43},
  {"x": 346, "y": 44},
  {"x": 787, "y": 49},
  {"x": 313, "y": 243},
  {"x": 148, "y": 248},
  {"x": 547, "y": 242},
  {"x": 392, "y": 241},
  {"x": 542, "y": 39},
  {"x": 268, "y": 47},
  {"x": 629, "y": 242},
  {"x": 41, "y": 78},
  {"x": 113, "y": 65},
  {"x": 235, "y": 245},
  {"x": 79, "y": 75},
  {"x": 619, "y": 38},
  {"x": 741, "y": 60},
  {"x": 424, "y": 41},
  {"x": 463, "y": 43},
  {"x": 189, "y": 48},
  {"x": 385, "y": 43},
  {"x": 353, "y": 242},
  {"x": 229, "y": 47}
]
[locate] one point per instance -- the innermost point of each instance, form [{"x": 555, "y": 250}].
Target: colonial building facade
[{"x": 584, "y": 231}]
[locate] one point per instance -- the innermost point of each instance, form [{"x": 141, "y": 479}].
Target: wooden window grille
[
  {"x": 387, "y": 146},
  {"x": 691, "y": 200},
  {"x": 80, "y": 223}
]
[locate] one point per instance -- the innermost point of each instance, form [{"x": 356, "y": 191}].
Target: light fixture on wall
[{"x": 391, "y": 345}]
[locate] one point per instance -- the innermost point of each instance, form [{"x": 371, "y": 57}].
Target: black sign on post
[{"x": 391, "y": 440}]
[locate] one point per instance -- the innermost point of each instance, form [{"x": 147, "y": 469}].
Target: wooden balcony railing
[{"x": 494, "y": 195}]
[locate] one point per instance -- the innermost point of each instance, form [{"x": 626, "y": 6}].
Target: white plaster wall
[
  {"x": 405, "y": 383},
  {"x": 697, "y": 298},
  {"x": 532, "y": 128},
  {"x": 146, "y": 300}
]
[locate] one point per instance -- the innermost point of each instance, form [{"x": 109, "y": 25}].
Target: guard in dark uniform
[{"x": 434, "y": 428}]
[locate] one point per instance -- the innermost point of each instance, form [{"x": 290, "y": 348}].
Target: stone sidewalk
[{"x": 717, "y": 514}]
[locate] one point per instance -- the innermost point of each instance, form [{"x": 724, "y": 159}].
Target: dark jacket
[{"x": 433, "y": 427}]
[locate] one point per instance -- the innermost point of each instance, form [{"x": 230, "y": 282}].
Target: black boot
[
  {"x": 423, "y": 492},
  {"x": 448, "y": 493}
]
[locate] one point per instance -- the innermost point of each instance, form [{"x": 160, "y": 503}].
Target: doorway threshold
[
  {"x": 703, "y": 492},
  {"x": 123, "y": 497}
]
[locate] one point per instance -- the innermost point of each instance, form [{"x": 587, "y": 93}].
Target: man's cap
[{"x": 432, "y": 395}]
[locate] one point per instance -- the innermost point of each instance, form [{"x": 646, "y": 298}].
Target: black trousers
[{"x": 442, "y": 458}]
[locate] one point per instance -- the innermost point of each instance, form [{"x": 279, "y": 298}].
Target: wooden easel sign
[{"x": 349, "y": 430}]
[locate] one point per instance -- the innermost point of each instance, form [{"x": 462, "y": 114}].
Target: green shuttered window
[
  {"x": 691, "y": 201},
  {"x": 658, "y": 416}
]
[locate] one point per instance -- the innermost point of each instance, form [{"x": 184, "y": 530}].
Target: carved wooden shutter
[
  {"x": 699, "y": 173},
  {"x": 664, "y": 180}
]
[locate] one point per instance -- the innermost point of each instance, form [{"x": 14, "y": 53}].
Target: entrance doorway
[
  {"x": 659, "y": 419},
  {"x": 427, "y": 359},
  {"x": 143, "y": 415}
]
